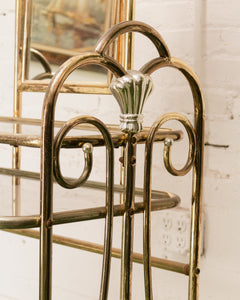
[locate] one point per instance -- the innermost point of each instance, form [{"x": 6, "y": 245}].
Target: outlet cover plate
[{"x": 174, "y": 240}]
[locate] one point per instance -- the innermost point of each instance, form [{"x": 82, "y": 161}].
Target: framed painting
[{"x": 51, "y": 31}]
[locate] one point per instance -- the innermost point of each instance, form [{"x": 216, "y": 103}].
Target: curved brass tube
[
  {"x": 133, "y": 26},
  {"x": 44, "y": 62},
  {"x": 194, "y": 270},
  {"x": 47, "y": 168},
  {"x": 161, "y": 201},
  {"x": 43, "y": 76},
  {"x": 14, "y": 222},
  {"x": 147, "y": 184},
  {"x": 168, "y": 144},
  {"x": 42, "y": 59},
  {"x": 87, "y": 149},
  {"x": 96, "y": 248}
]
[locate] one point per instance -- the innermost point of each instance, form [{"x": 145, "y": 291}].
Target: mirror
[{"x": 51, "y": 31}]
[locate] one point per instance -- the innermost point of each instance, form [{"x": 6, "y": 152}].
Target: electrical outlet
[
  {"x": 167, "y": 222},
  {"x": 166, "y": 238},
  {"x": 174, "y": 238}
]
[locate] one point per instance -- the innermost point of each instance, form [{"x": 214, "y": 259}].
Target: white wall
[{"x": 206, "y": 35}]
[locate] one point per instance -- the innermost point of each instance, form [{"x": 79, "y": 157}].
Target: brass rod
[
  {"x": 41, "y": 58},
  {"x": 197, "y": 177},
  {"x": 79, "y": 215},
  {"x": 133, "y": 26},
  {"x": 16, "y": 189},
  {"x": 147, "y": 184},
  {"x": 34, "y": 141},
  {"x": 147, "y": 219},
  {"x": 19, "y": 73},
  {"x": 70, "y": 87},
  {"x": 129, "y": 41},
  {"x": 100, "y": 212},
  {"x": 15, "y": 222},
  {"x": 128, "y": 219},
  {"x": 46, "y": 179},
  {"x": 161, "y": 135},
  {"x": 125, "y": 43},
  {"x": 196, "y": 213},
  {"x": 98, "y": 249},
  {"x": 89, "y": 184},
  {"x": 37, "y": 122}
]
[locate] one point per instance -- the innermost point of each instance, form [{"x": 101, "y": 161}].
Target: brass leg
[
  {"x": 128, "y": 220},
  {"x": 195, "y": 247},
  {"x": 45, "y": 275},
  {"x": 46, "y": 211},
  {"x": 16, "y": 157},
  {"x": 45, "y": 292},
  {"x": 16, "y": 181}
]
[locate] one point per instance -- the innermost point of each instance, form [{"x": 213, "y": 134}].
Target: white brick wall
[{"x": 206, "y": 35}]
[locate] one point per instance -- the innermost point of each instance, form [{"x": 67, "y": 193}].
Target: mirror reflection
[{"x": 63, "y": 28}]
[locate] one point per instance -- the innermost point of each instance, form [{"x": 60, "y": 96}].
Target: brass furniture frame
[{"x": 131, "y": 90}]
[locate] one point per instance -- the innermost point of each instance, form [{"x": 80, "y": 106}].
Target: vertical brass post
[
  {"x": 46, "y": 204},
  {"x": 22, "y": 41},
  {"x": 127, "y": 39},
  {"x": 131, "y": 92},
  {"x": 17, "y": 103},
  {"x": 47, "y": 166},
  {"x": 196, "y": 213},
  {"x": 196, "y": 208},
  {"x": 128, "y": 219}
]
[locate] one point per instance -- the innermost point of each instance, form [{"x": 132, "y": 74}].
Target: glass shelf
[
  {"x": 88, "y": 202},
  {"x": 33, "y": 139}
]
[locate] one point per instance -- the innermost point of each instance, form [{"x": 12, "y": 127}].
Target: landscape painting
[{"x": 63, "y": 28}]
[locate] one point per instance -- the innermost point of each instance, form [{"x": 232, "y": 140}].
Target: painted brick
[
  {"x": 222, "y": 42},
  {"x": 222, "y": 14},
  {"x": 222, "y": 73},
  {"x": 219, "y": 63}
]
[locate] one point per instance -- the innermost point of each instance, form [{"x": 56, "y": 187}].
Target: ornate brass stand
[{"x": 131, "y": 89}]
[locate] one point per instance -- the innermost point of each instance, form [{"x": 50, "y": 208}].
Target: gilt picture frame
[{"x": 114, "y": 11}]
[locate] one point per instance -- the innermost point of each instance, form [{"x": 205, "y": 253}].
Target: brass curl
[
  {"x": 86, "y": 172},
  {"x": 87, "y": 149},
  {"x": 191, "y": 151},
  {"x": 147, "y": 183},
  {"x": 168, "y": 143}
]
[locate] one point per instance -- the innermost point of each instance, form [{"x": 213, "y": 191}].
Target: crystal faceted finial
[{"x": 131, "y": 92}]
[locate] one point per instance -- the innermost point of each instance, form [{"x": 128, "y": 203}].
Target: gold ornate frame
[{"x": 121, "y": 10}]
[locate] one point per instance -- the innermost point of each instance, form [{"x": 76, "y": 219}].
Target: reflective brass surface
[
  {"x": 44, "y": 62},
  {"x": 119, "y": 139},
  {"x": 152, "y": 200},
  {"x": 87, "y": 149},
  {"x": 131, "y": 92},
  {"x": 199, "y": 117},
  {"x": 128, "y": 218},
  {"x": 47, "y": 170},
  {"x": 96, "y": 248},
  {"x": 132, "y": 26}
]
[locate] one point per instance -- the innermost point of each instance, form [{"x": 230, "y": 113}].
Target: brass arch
[
  {"x": 147, "y": 183},
  {"x": 149, "y": 68},
  {"x": 47, "y": 166},
  {"x": 133, "y": 26}
]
